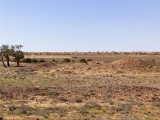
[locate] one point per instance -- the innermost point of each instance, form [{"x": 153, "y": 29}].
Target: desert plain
[{"x": 109, "y": 86}]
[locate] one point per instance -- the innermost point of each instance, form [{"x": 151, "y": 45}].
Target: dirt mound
[{"x": 134, "y": 63}]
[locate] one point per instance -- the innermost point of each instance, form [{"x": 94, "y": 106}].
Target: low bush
[
  {"x": 42, "y": 60},
  {"x": 34, "y": 60},
  {"x": 66, "y": 60},
  {"x": 27, "y": 60},
  {"x": 89, "y": 60},
  {"x": 83, "y": 61}
]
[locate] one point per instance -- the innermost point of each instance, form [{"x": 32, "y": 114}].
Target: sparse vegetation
[
  {"x": 27, "y": 60},
  {"x": 42, "y": 60},
  {"x": 82, "y": 60},
  {"x": 66, "y": 60},
  {"x": 73, "y": 60},
  {"x": 52, "y": 90},
  {"x": 89, "y": 60},
  {"x": 34, "y": 61},
  {"x": 125, "y": 108}
]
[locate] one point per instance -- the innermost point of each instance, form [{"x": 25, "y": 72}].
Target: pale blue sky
[{"x": 81, "y": 25}]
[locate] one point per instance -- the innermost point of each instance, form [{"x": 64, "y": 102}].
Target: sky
[{"x": 81, "y": 25}]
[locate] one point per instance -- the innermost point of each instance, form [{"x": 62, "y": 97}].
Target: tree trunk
[
  {"x": 17, "y": 63},
  {"x": 3, "y": 61},
  {"x": 7, "y": 59}
]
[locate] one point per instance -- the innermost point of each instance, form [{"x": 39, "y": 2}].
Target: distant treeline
[{"x": 92, "y": 53}]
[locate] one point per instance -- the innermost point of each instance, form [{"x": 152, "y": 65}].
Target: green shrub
[
  {"x": 42, "y": 60},
  {"x": 82, "y": 60},
  {"x": 34, "y": 60},
  {"x": 53, "y": 60},
  {"x": 27, "y": 60},
  {"x": 89, "y": 60},
  {"x": 66, "y": 60}
]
